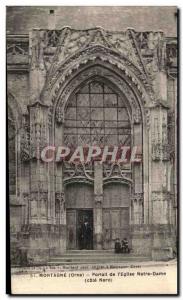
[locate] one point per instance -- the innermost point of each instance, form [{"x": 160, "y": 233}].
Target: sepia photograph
[{"x": 92, "y": 150}]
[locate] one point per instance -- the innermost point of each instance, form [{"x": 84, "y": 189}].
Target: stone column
[
  {"x": 37, "y": 75},
  {"x": 98, "y": 198},
  {"x": 40, "y": 221},
  {"x": 145, "y": 164},
  {"x": 160, "y": 197},
  {"x": 60, "y": 199},
  {"x": 59, "y": 185}
]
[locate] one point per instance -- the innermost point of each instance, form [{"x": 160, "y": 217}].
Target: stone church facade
[{"x": 78, "y": 87}]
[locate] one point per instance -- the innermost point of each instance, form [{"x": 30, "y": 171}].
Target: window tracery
[{"x": 96, "y": 115}]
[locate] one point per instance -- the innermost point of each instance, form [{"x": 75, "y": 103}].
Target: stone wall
[{"x": 20, "y": 20}]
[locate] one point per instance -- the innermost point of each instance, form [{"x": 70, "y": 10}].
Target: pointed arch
[
  {"x": 67, "y": 69},
  {"x": 109, "y": 74}
]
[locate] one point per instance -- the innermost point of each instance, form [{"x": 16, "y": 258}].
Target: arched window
[{"x": 97, "y": 115}]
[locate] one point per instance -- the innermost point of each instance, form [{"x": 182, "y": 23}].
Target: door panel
[
  {"x": 79, "y": 204},
  {"x": 116, "y": 195},
  {"x": 115, "y": 219},
  {"x": 124, "y": 216},
  {"x": 82, "y": 215},
  {"x": 79, "y": 196},
  {"x": 75, "y": 220},
  {"x": 115, "y": 225}
]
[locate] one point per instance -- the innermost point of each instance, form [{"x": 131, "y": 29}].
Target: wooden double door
[
  {"x": 80, "y": 229},
  {"x": 115, "y": 225},
  {"x": 115, "y": 215}
]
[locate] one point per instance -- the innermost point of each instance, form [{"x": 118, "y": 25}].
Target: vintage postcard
[{"x": 92, "y": 149}]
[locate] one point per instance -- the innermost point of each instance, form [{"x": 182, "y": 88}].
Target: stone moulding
[
  {"x": 133, "y": 97},
  {"x": 64, "y": 75},
  {"x": 79, "y": 179},
  {"x": 17, "y": 53},
  {"x": 117, "y": 179}
]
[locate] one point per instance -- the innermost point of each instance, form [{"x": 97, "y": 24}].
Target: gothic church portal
[{"x": 92, "y": 87}]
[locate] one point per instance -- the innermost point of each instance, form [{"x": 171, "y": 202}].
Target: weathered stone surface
[{"x": 86, "y": 85}]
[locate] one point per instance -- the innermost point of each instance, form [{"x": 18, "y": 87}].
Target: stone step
[
  {"x": 90, "y": 255},
  {"x": 94, "y": 259},
  {"x": 69, "y": 258},
  {"x": 78, "y": 262},
  {"x": 89, "y": 251}
]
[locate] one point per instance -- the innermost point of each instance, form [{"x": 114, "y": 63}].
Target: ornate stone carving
[
  {"x": 98, "y": 201},
  {"x": 17, "y": 51},
  {"x": 25, "y": 151},
  {"x": 160, "y": 151},
  {"x": 171, "y": 133},
  {"x": 59, "y": 116},
  {"x": 160, "y": 145},
  {"x": 160, "y": 196},
  {"x": 165, "y": 151},
  {"x": 136, "y": 114},
  {"x": 38, "y": 128},
  {"x": 171, "y": 52},
  {"x": 25, "y": 141},
  {"x": 148, "y": 118},
  {"x": 37, "y": 46},
  {"x": 152, "y": 48},
  {"x": 116, "y": 170},
  {"x": 67, "y": 49},
  {"x": 79, "y": 170},
  {"x": 116, "y": 173},
  {"x": 60, "y": 199},
  {"x": 53, "y": 37},
  {"x": 137, "y": 197},
  {"x": 156, "y": 151},
  {"x": 64, "y": 44},
  {"x": 72, "y": 41},
  {"x": 93, "y": 54}
]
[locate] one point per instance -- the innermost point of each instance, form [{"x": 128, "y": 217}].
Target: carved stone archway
[
  {"x": 63, "y": 60},
  {"x": 109, "y": 74}
]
